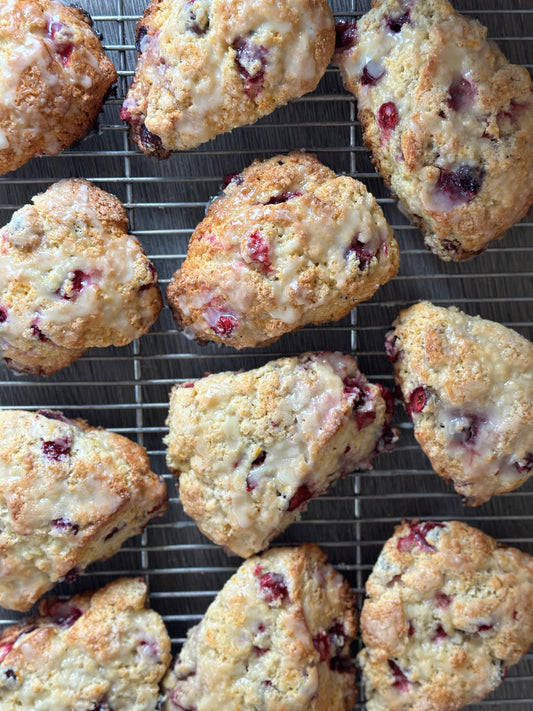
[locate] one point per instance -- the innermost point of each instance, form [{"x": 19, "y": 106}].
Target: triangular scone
[
  {"x": 54, "y": 76},
  {"x": 468, "y": 386},
  {"x": 99, "y": 651},
  {"x": 205, "y": 67},
  {"x": 251, "y": 448},
  {"x": 448, "y": 120},
  {"x": 448, "y": 611},
  {"x": 71, "y": 278},
  {"x": 277, "y": 636},
  {"x": 287, "y": 244}
]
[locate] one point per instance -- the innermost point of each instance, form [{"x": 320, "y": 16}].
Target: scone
[
  {"x": 205, "y": 67},
  {"x": 288, "y": 243},
  {"x": 276, "y": 637},
  {"x": 54, "y": 76},
  {"x": 468, "y": 386},
  {"x": 448, "y": 611},
  {"x": 101, "y": 651},
  {"x": 71, "y": 277},
  {"x": 251, "y": 448},
  {"x": 70, "y": 494},
  {"x": 447, "y": 118}
]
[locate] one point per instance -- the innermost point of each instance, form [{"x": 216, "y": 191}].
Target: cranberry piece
[
  {"x": 417, "y": 537},
  {"x": 442, "y": 600},
  {"x": 395, "y": 24},
  {"x": 266, "y": 684},
  {"x": 392, "y": 346},
  {"x": 193, "y": 25},
  {"x": 273, "y": 587},
  {"x": 342, "y": 665},
  {"x": 462, "y": 94},
  {"x": 372, "y": 73},
  {"x": 141, "y": 33},
  {"x": 461, "y": 185},
  {"x": 260, "y": 651},
  {"x": 411, "y": 630},
  {"x": 261, "y": 627},
  {"x": 258, "y": 250},
  {"x": 225, "y": 325},
  {"x": 51, "y": 415},
  {"x": 64, "y": 524},
  {"x": 37, "y": 333},
  {"x": 469, "y": 434},
  {"x": 388, "y": 116},
  {"x": 61, "y": 36},
  {"x": 251, "y": 63},
  {"x": 57, "y": 449},
  {"x": 113, "y": 532},
  {"x": 387, "y": 440},
  {"x": 72, "y": 574},
  {"x": 303, "y": 493},
  {"x": 364, "y": 418},
  {"x": 125, "y": 114},
  {"x": 235, "y": 178},
  {"x": 321, "y": 643},
  {"x": 3, "y": 314},
  {"x": 11, "y": 674},
  {"x": 64, "y": 614},
  {"x": 79, "y": 281},
  {"x": 355, "y": 387},
  {"x": 259, "y": 459},
  {"x": 150, "y": 142},
  {"x": 484, "y": 628},
  {"x": 345, "y": 34},
  {"x": 417, "y": 400},
  {"x": 524, "y": 465},
  {"x": 4, "y": 650},
  {"x": 282, "y": 197},
  {"x": 363, "y": 254},
  {"x": 337, "y": 636},
  {"x": 440, "y": 634},
  {"x": 386, "y": 394},
  {"x": 401, "y": 682}
]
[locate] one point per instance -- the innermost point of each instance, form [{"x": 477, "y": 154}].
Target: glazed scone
[
  {"x": 276, "y": 638},
  {"x": 448, "y": 611},
  {"x": 205, "y": 67},
  {"x": 54, "y": 76},
  {"x": 468, "y": 387},
  {"x": 288, "y": 243},
  {"x": 447, "y": 118},
  {"x": 251, "y": 448},
  {"x": 70, "y": 494},
  {"x": 101, "y": 651},
  {"x": 71, "y": 278}
]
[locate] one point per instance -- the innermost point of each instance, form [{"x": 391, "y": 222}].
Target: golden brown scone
[
  {"x": 468, "y": 387},
  {"x": 71, "y": 277},
  {"x": 448, "y": 120},
  {"x": 98, "y": 651},
  {"x": 276, "y": 637},
  {"x": 205, "y": 67},
  {"x": 252, "y": 448},
  {"x": 448, "y": 611},
  {"x": 70, "y": 494},
  {"x": 54, "y": 76},
  {"x": 288, "y": 243}
]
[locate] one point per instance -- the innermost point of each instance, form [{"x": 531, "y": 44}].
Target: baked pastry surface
[
  {"x": 468, "y": 386},
  {"x": 252, "y": 448},
  {"x": 70, "y": 494},
  {"x": 71, "y": 278},
  {"x": 276, "y": 637},
  {"x": 288, "y": 243},
  {"x": 54, "y": 76},
  {"x": 448, "y": 120},
  {"x": 205, "y": 67},
  {"x": 97, "y": 651},
  {"x": 448, "y": 611}
]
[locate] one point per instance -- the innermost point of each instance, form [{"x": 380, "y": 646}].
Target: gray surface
[{"x": 126, "y": 389}]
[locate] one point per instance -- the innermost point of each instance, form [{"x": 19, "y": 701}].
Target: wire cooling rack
[{"x": 126, "y": 389}]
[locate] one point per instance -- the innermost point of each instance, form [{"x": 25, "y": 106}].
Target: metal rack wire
[{"x": 126, "y": 390}]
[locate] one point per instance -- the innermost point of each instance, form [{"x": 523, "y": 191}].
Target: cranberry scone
[
  {"x": 467, "y": 384},
  {"x": 276, "y": 637},
  {"x": 448, "y": 120},
  {"x": 54, "y": 76},
  {"x": 288, "y": 243},
  {"x": 205, "y": 67},
  {"x": 252, "y": 448},
  {"x": 71, "y": 277},
  {"x": 97, "y": 651},
  {"x": 70, "y": 494},
  {"x": 448, "y": 610}
]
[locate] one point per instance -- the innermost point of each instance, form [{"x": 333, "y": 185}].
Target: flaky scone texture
[
  {"x": 70, "y": 494},
  {"x": 448, "y": 611},
  {"x": 205, "y": 67},
  {"x": 54, "y": 76},
  {"x": 252, "y": 448},
  {"x": 95, "y": 651},
  {"x": 288, "y": 243},
  {"x": 276, "y": 638},
  {"x": 71, "y": 277},
  {"x": 447, "y": 118},
  {"x": 468, "y": 386}
]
